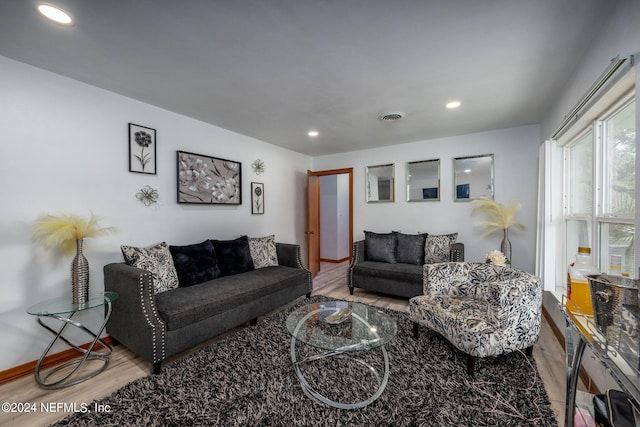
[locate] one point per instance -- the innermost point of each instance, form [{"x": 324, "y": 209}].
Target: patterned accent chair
[{"x": 482, "y": 309}]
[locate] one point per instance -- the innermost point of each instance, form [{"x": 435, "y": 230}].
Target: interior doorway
[{"x": 329, "y": 216}]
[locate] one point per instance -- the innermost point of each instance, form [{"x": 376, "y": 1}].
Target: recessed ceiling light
[
  {"x": 313, "y": 133},
  {"x": 453, "y": 104},
  {"x": 55, "y": 14}
]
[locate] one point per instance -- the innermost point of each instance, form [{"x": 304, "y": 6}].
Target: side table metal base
[{"x": 73, "y": 377}]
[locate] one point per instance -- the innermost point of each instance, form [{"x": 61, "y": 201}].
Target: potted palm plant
[
  {"x": 499, "y": 217},
  {"x": 68, "y": 231}
]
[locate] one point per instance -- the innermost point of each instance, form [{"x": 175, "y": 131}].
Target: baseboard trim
[
  {"x": 335, "y": 261},
  {"x": 584, "y": 375},
  {"x": 55, "y": 359}
]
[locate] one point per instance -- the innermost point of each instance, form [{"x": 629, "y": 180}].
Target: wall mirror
[
  {"x": 423, "y": 181},
  {"x": 380, "y": 183},
  {"x": 473, "y": 177}
]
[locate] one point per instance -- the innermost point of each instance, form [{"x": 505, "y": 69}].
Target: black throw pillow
[
  {"x": 411, "y": 248},
  {"x": 195, "y": 263},
  {"x": 234, "y": 256},
  {"x": 380, "y": 247}
]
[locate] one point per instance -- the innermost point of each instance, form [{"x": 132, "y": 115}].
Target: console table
[
  {"x": 62, "y": 309},
  {"x": 588, "y": 334}
]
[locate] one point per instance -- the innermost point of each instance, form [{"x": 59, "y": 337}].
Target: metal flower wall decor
[
  {"x": 258, "y": 166},
  {"x": 147, "y": 195}
]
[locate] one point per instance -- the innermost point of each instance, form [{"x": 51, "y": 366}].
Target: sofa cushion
[
  {"x": 380, "y": 247},
  {"x": 184, "y": 306},
  {"x": 410, "y": 273},
  {"x": 195, "y": 263},
  {"x": 437, "y": 247},
  {"x": 263, "y": 251},
  {"x": 234, "y": 256},
  {"x": 411, "y": 248},
  {"x": 155, "y": 259}
]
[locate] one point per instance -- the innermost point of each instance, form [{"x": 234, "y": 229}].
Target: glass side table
[{"x": 62, "y": 309}]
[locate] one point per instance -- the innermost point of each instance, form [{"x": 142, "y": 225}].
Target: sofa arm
[
  {"x": 357, "y": 253},
  {"x": 289, "y": 255},
  {"x": 135, "y": 321},
  {"x": 456, "y": 253}
]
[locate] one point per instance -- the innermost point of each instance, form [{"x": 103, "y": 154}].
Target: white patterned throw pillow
[
  {"x": 437, "y": 248},
  {"x": 263, "y": 251},
  {"x": 155, "y": 259}
]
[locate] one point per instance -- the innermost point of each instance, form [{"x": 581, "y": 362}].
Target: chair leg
[
  {"x": 416, "y": 330},
  {"x": 529, "y": 351},
  {"x": 471, "y": 364},
  {"x": 350, "y": 290}
]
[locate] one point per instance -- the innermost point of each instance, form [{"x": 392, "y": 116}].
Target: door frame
[{"x": 315, "y": 231}]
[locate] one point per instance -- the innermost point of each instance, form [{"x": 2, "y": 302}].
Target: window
[{"x": 599, "y": 190}]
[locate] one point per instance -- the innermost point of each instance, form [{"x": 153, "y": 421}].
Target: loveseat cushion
[
  {"x": 195, "y": 263},
  {"x": 234, "y": 256},
  {"x": 185, "y": 306},
  {"x": 410, "y": 273},
  {"x": 411, "y": 248},
  {"x": 380, "y": 247}
]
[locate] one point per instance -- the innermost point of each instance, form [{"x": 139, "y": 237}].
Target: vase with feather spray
[
  {"x": 499, "y": 217},
  {"x": 68, "y": 231}
]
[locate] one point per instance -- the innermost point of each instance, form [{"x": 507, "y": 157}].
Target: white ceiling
[{"x": 274, "y": 69}]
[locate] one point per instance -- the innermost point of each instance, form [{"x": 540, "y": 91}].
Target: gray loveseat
[
  {"x": 397, "y": 270},
  {"x": 159, "y": 325}
]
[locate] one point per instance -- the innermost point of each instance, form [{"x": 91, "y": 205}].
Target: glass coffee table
[{"x": 335, "y": 333}]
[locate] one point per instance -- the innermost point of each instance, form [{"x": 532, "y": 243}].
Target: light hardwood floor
[{"x": 126, "y": 366}]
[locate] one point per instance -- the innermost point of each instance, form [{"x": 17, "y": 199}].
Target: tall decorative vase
[
  {"x": 505, "y": 246},
  {"x": 79, "y": 276}
]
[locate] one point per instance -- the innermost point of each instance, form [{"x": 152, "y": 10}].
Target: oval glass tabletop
[
  {"x": 64, "y": 304},
  {"x": 341, "y": 325}
]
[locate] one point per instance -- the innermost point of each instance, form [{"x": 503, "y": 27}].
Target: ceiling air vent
[{"x": 391, "y": 116}]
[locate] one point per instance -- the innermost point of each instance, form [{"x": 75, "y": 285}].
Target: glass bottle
[{"x": 577, "y": 284}]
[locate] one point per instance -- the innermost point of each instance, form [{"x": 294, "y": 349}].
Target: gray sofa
[
  {"x": 394, "y": 278},
  {"x": 158, "y": 326}
]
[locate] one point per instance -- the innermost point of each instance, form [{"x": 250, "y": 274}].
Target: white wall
[
  {"x": 620, "y": 36},
  {"x": 64, "y": 148},
  {"x": 516, "y": 163}
]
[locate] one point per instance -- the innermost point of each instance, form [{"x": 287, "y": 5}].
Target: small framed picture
[
  {"x": 142, "y": 149},
  {"x": 257, "y": 198},
  {"x": 208, "y": 180}
]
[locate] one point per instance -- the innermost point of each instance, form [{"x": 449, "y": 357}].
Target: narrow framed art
[
  {"x": 142, "y": 149},
  {"x": 203, "y": 179},
  {"x": 257, "y": 198}
]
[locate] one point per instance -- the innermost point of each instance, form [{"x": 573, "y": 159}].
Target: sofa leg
[
  {"x": 350, "y": 290},
  {"x": 471, "y": 364},
  {"x": 416, "y": 330},
  {"x": 254, "y": 322},
  {"x": 156, "y": 368},
  {"x": 308, "y": 295},
  {"x": 529, "y": 351}
]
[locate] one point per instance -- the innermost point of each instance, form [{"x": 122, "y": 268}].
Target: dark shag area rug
[{"x": 248, "y": 380}]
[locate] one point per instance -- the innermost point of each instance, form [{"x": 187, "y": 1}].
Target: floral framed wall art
[
  {"x": 257, "y": 198},
  {"x": 204, "y": 179},
  {"x": 142, "y": 149}
]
